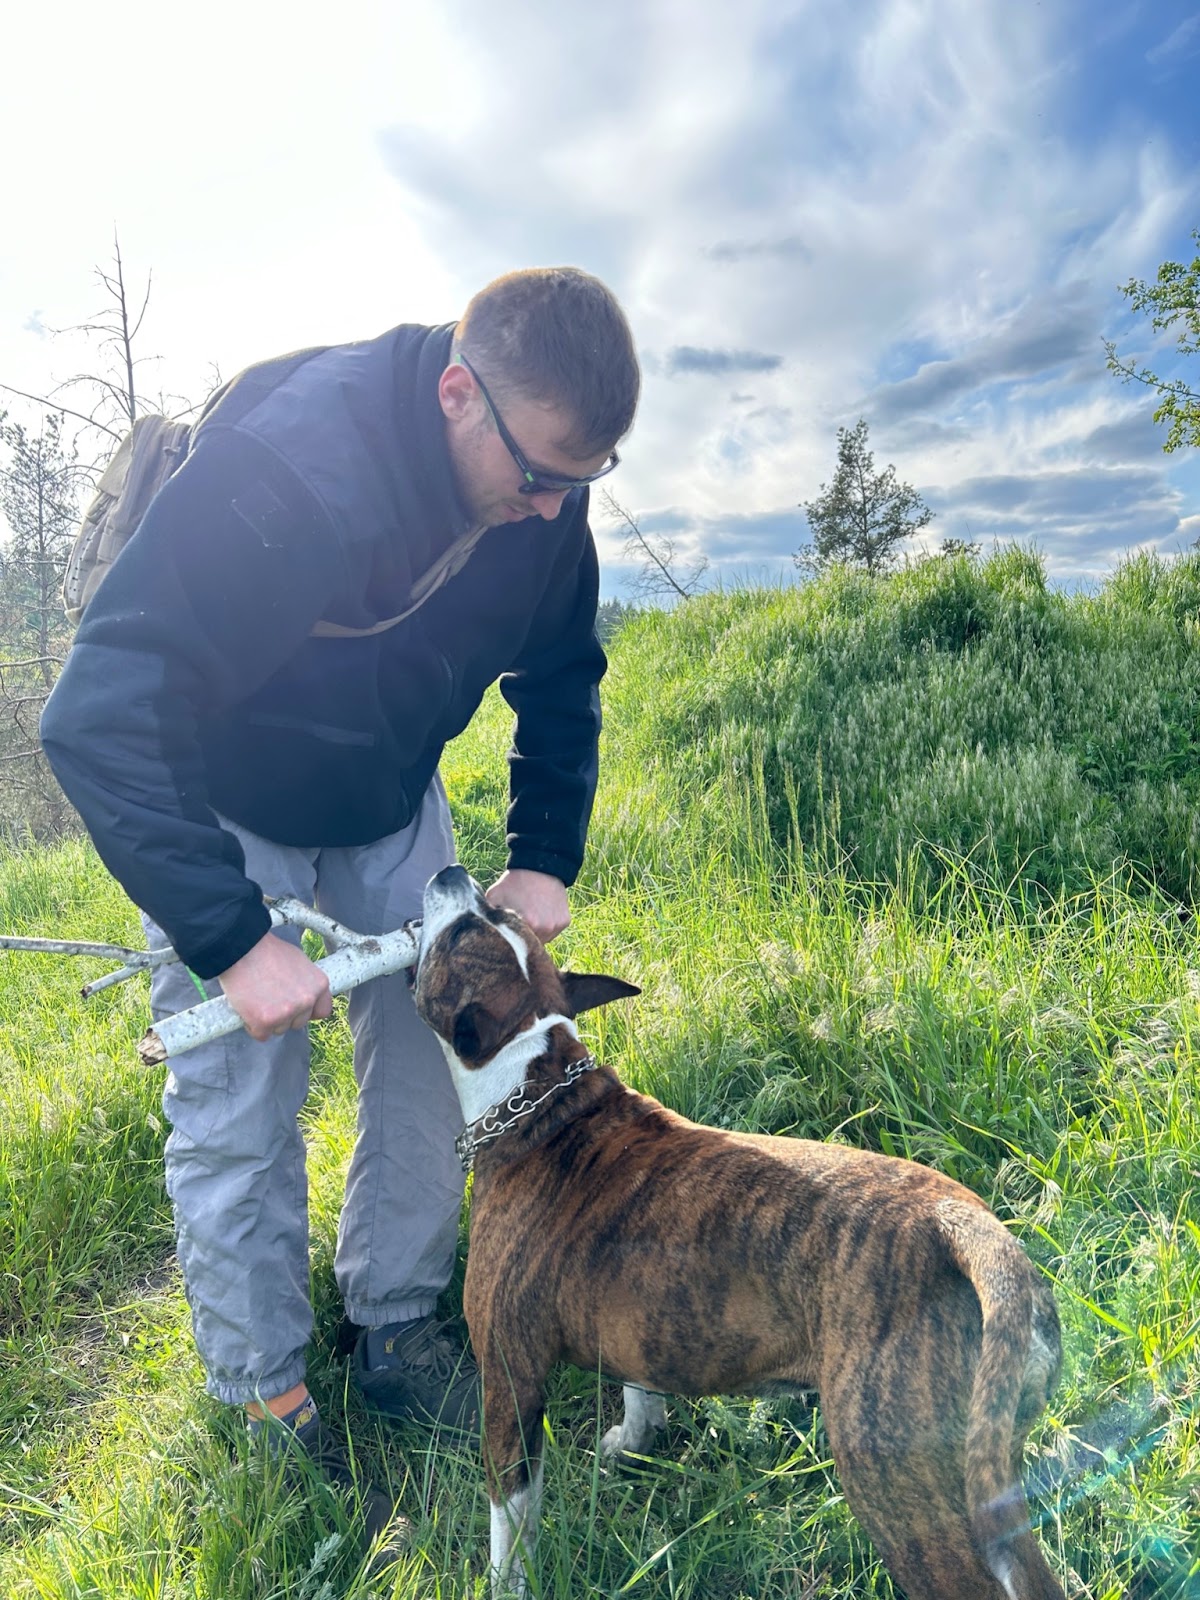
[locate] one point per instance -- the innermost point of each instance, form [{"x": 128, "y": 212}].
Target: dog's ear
[
  {"x": 474, "y": 1033},
  {"x": 587, "y": 990}
]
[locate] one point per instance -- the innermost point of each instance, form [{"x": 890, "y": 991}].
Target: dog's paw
[
  {"x": 613, "y": 1444},
  {"x": 625, "y": 1450},
  {"x": 645, "y": 1417}
]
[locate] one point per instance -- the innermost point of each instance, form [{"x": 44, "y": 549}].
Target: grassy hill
[{"x": 907, "y": 863}]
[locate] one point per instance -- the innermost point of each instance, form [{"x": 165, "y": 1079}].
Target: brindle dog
[{"x": 610, "y": 1232}]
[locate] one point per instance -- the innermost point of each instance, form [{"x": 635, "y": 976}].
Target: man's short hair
[{"x": 556, "y": 334}]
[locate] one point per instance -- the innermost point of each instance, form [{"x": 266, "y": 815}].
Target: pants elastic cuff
[
  {"x": 377, "y": 1316},
  {"x": 240, "y": 1393}
]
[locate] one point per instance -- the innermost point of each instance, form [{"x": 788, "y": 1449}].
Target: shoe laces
[
  {"x": 324, "y": 1447},
  {"x": 432, "y": 1351}
]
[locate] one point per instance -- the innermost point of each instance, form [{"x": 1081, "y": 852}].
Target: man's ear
[
  {"x": 586, "y": 990},
  {"x": 456, "y": 392}
]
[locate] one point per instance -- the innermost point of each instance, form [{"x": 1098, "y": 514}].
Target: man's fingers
[
  {"x": 275, "y": 988},
  {"x": 538, "y": 897}
]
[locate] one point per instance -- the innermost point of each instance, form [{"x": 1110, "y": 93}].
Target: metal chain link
[{"x": 518, "y": 1106}]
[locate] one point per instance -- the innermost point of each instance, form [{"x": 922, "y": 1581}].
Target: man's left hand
[{"x": 536, "y": 896}]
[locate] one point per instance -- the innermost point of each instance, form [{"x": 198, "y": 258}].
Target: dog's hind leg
[
  {"x": 896, "y": 1429},
  {"x": 645, "y": 1416}
]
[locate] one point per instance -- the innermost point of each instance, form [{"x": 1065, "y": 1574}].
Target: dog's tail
[{"x": 1018, "y": 1367}]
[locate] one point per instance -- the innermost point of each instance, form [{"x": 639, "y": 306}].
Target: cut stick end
[{"x": 151, "y": 1049}]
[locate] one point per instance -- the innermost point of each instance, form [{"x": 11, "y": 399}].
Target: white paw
[{"x": 613, "y": 1443}]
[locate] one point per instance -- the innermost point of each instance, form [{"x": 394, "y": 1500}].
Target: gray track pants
[{"x": 235, "y": 1156}]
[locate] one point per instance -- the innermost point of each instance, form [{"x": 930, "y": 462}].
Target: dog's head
[{"x": 483, "y": 976}]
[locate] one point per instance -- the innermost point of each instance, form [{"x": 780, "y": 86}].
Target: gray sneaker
[{"x": 423, "y": 1375}]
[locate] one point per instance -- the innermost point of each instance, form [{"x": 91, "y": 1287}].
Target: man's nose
[{"x": 549, "y": 503}]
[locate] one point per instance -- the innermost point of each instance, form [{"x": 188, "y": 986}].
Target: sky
[{"x": 914, "y": 211}]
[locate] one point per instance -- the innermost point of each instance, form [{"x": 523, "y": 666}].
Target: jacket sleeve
[
  {"x": 205, "y": 603},
  {"x": 554, "y": 689}
]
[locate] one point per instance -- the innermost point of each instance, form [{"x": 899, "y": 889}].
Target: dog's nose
[
  {"x": 448, "y": 893},
  {"x": 455, "y": 877}
]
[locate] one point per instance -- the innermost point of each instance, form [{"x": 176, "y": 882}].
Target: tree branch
[
  {"x": 53, "y": 405},
  {"x": 657, "y": 558}
]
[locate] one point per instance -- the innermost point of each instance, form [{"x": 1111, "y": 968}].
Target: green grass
[
  {"x": 956, "y": 702},
  {"x": 1031, "y": 1032}
]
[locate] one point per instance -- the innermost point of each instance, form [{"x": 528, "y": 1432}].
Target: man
[{"x": 361, "y": 539}]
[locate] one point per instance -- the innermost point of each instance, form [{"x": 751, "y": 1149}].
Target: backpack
[{"x": 144, "y": 460}]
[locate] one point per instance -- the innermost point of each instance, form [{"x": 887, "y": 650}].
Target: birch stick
[
  {"x": 135, "y": 961},
  {"x": 80, "y": 947},
  {"x": 285, "y": 909},
  {"x": 358, "y": 959},
  {"x": 353, "y": 958},
  {"x": 130, "y": 970}
]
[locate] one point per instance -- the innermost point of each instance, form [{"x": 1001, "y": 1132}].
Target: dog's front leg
[
  {"x": 513, "y": 1389},
  {"x": 645, "y": 1415},
  {"x": 514, "y": 1530}
]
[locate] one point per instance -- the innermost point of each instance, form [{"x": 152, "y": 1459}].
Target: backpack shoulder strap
[{"x": 447, "y": 564}]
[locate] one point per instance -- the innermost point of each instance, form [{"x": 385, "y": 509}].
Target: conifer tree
[{"x": 862, "y": 515}]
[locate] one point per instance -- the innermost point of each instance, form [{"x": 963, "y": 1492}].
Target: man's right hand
[{"x": 275, "y": 987}]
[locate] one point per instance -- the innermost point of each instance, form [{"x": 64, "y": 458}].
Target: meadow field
[{"x": 909, "y": 863}]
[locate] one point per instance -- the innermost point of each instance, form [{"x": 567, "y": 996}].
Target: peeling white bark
[
  {"x": 358, "y": 958},
  {"x": 137, "y": 959},
  {"x": 353, "y": 958}
]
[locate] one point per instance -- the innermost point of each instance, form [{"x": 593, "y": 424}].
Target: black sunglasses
[{"x": 535, "y": 482}]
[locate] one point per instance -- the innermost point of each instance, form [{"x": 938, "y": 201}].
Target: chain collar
[{"x": 518, "y": 1105}]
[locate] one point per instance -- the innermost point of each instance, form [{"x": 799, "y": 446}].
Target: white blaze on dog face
[
  {"x": 481, "y": 975},
  {"x": 512, "y": 937}
]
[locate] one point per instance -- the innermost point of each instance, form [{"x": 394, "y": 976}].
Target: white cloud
[
  {"x": 887, "y": 212},
  {"x": 1182, "y": 43}
]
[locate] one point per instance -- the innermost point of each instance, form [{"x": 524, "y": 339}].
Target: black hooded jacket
[{"x": 319, "y": 487}]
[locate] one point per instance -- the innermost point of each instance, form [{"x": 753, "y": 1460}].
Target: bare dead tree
[
  {"x": 115, "y": 329},
  {"x": 66, "y": 411},
  {"x": 39, "y": 486},
  {"x": 658, "y": 573},
  {"x": 114, "y": 392},
  {"x": 42, "y": 481}
]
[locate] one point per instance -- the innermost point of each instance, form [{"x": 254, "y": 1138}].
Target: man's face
[{"x": 489, "y": 479}]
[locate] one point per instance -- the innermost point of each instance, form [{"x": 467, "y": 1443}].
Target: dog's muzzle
[{"x": 449, "y": 894}]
